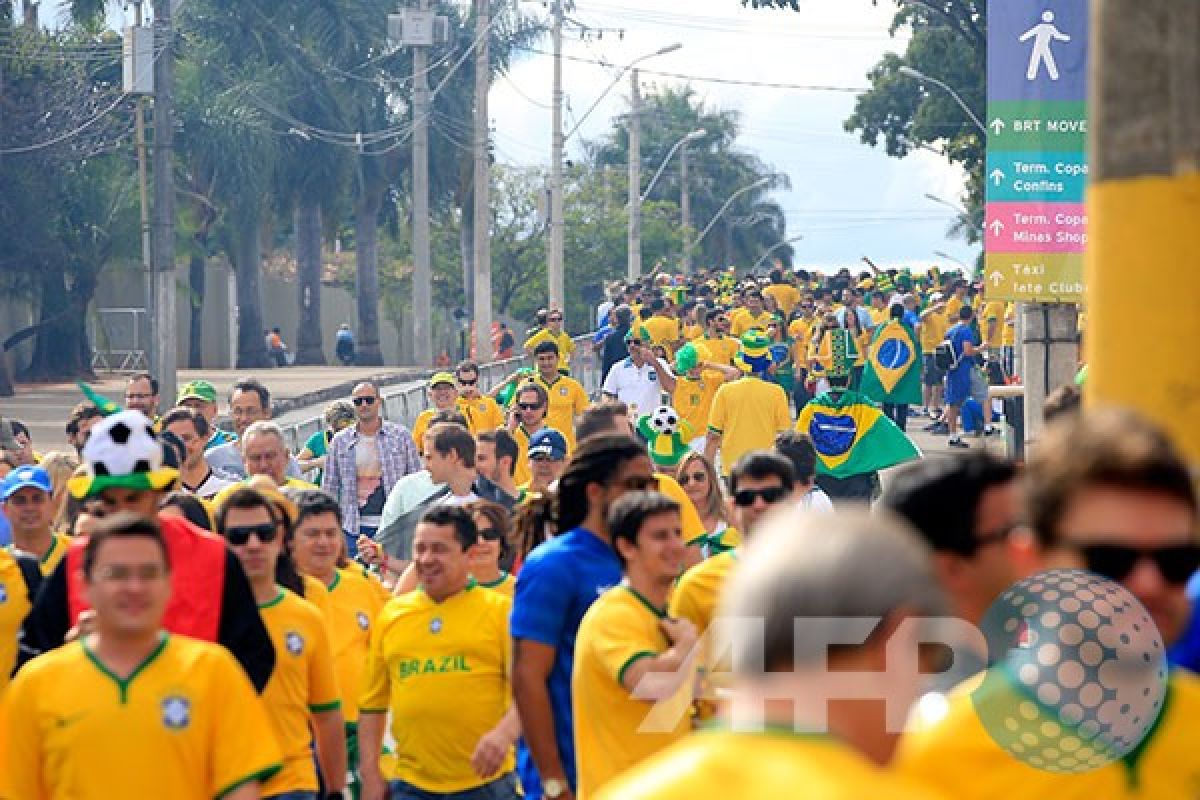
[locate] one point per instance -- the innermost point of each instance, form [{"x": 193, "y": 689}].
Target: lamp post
[
  {"x": 721, "y": 211},
  {"x": 772, "y": 249},
  {"x": 921, "y": 76},
  {"x": 941, "y": 201},
  {"x": 637, "y": 197}
]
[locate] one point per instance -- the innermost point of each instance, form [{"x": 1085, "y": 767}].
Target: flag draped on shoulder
[
  {"x": 852, "y": 436},
  {"x": 893, "y": 370}
]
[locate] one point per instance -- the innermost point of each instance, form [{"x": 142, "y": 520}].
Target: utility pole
[
  {"x": 422, "y": 272},
  {"x": 143, "y": 182},
  {"x": 31, "y": 14},
  {"x": 634, "y": 269},
  {"x": 163, "y": 332},
  {"x": 1142, "y": 209},
  {"x": 554, "y": 278},
  {"x": 483, "y": 211},
  {"x": 685, "y": 208}
]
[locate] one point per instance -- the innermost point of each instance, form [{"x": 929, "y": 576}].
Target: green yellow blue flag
[
  {"x": 852, "y": 436},
  {"x": 893, "y": 370}
]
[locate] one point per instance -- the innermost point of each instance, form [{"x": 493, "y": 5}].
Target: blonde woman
[
  {"x": 700, "y": 481},
  {"x": 61, "y": 465}
]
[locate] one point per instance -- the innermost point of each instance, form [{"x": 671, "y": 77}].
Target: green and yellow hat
[
  {"x": 124, "y": 452},
  {"x": 755, "y": 352}
]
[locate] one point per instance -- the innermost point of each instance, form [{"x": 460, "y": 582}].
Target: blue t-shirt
[
  {"x": 555, "y": 588},
  {"x": 912, "y": 319},
  {"x": 959, "y": 335},
  {"x": 5, "y": 531}
]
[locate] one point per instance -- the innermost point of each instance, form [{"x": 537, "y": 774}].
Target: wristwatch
[{"x": 553, "y": 788}]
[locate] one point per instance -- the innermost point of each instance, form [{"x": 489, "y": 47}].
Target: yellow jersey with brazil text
[
  {"x": 355, "y": 600},
  {"x": 185, "y": 724},
  {"x": 956, "y": 754},
  {"x": 568, "y": 399},
  {"x": 14, "y": 607},
  {"x": 613, "y": 729},
  {"x": 772, "y": 765},
  {"x": 302, "y": 683},
  {"x": 442, "y": 671}
]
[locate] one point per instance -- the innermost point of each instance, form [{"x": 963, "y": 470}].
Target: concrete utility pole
[
  {"x": 422, "y": 272},
  {"x": 634, "y": 267},
  {"x": 483, "y": 209},
  {"x": 554, "y": 278},
  {"x": 685, "y": 209},
  {"x": 163, "y": 332},
  {"x": 1142, "y": 211},
  {"x": 144, "y": 187}
]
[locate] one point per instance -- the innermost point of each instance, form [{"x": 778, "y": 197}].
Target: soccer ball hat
[
  {"x": 122, "y": 451},
  {"x": 667, "y": 434}
]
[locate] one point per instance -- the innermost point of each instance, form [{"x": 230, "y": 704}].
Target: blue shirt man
[
  {"x": 555, "y": 588},
  {"x": 964, "y": 339}
]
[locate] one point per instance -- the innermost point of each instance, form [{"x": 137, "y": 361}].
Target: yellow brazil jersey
[
  {"x": 482, "y": 413},
  {"x": 695, "y": 599},
  {"x": 740, "y": 431},
  {"x": 568, "y": 399},
  {"x": 14, "y": 606},
  {"x": 355, "y": 600},
  {"x": 565, "y": 346},
  {"x": 506, "y": 584},
  {"x": 59, "y": 542},
  {"x": 746, "y": 321},
  {"x": 801, "y": 333},
  {"x": 302, "y": 682},
  {"x": 957, "y": 755},
  {"x": 316, "y": 593},
  {"x": 692, "y": 332},
  {"x": 932, "y": 330},
  {"x": 693, "y": 399},
  {"x": 521, "y": 473},
  {"x": 442, "y": 671},
  {"x": 420, "y": 426},
  {"x": 691, "y": 524},
  {"x": 953, "y": 304},
  {"x": 772, "y": 765},
  {"x": 721, "y": 349},
  {"x": 186, "y": 724},
  {"x": 662, "y": 330},
  {"x": 786, "y": 296},
  {"x": 614, "y": 730},
  {"x": 1009, "y": 337},
  {"x": 992, "y": 310}
]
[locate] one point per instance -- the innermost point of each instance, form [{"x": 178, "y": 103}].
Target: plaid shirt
[{"x": 397, "y": 456}]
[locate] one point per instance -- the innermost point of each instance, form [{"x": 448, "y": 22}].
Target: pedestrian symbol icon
[{"x": 1043, "y": 35}]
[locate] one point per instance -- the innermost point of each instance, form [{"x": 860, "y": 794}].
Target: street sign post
[{"x": 1037, "y": 169}]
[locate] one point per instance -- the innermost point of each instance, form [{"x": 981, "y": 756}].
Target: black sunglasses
[
  {"x": 529, "y": 406},
  {"x": 687, "y": 477},
  {"x": 466, "y": 382},
  {"x": 1176, "y": 563},
  {"x": 241, "y": 534},
  {"x": 364, "y": 401},
  {"x": 491, "y": 534},
  {"x": 771, "y": 495}
]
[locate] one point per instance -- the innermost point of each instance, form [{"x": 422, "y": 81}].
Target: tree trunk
[
  {"x": 466, "y": 249},
  {"x": 309, "y": 349},
  {"x": 247, "y": 264},
  {"x": 61, "y": 348},
  {"x": 196, "y": 280},
  {"x": 366, "y": 256}
]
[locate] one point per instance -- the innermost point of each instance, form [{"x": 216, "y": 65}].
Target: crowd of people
[{"x": 521, "y": 594}]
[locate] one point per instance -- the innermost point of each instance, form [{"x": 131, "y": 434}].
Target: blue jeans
[{"x": 503, "y": 788}]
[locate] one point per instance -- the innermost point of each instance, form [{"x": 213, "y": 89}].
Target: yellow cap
[{"x": 440, "y": 378}]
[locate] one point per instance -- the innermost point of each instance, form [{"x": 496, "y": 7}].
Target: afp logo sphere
[{"x": 1078, "y": 675}]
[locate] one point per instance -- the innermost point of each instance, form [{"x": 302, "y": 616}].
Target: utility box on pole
[
  {"x": 414, "y": 27},
  {"x": 137, "y": 51}
]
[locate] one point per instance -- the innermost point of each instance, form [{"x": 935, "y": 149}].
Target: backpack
[{"x": 944, "y": 357}]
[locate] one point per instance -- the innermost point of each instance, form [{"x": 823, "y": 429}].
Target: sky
[{"x": 847, "y": 200}]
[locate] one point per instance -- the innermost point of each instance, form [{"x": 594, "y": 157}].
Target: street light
[
  {"x": 949, "y": 257},
  {"x": 662, "y": 51},
  {"x": 772, "y": 249},
  {"x": 699, "y": 133},
  {"x": 944, "y": 202},
  {"x": 921, "y": 76},
  {"x": 757, "y": 184}
]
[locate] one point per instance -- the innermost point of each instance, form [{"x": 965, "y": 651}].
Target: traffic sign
[
  {"x": 1058, "y": 127},
  {"x": 1036, "y": 227},
  {"x": 1034, "y": 277},
  {"x": 1030, "y": 175}
]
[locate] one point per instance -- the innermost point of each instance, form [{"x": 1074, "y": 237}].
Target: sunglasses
[
  {"x": 771, "y": 495},
  {"x": 698, "y": 477},
  {"x": 491, "y": 534},
  {"x": 638, "y": 484},
  {"x": 529, "y": 406},
  {"x": 364, "y": 401},
  {"x": 466, "y": 382},
  {"x": 1176, "y": 563},
  {"x": 554, "y": 319},
  {"x": 241, "y": 534}
]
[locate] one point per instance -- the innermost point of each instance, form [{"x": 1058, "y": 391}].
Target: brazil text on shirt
[{"x": 431, "y": 666}]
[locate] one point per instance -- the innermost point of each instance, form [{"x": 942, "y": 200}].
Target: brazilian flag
[
  {"x": 893, "y": 371},
  {"x": 852, "y": 436}
]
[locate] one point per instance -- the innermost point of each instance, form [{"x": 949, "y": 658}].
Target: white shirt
[
  {"x": 454, "y": 500},
  {"x": 637, "y": 387},
  {"x": 212, "y": 485},
  {"x": 815, "y": 499}
]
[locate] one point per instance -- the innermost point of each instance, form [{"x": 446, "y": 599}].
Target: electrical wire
[{"x": 69, "y": 134}]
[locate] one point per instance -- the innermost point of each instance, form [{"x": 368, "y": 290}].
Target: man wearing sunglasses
[
  {"x": 553, "y": 332},
  {"x": 481, "y": 410},
  {"x": 1105, "y": 491},
  {"x": 529, "y": 417},
  {"x": 365, "y": 461}
]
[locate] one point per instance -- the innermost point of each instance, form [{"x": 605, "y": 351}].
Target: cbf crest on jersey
[
  {"x": 364, "y": 621},
  {"x": 3, "y": 593},
  {"x": 176, "y": 713},
  {"x": 294, "y": 643}
]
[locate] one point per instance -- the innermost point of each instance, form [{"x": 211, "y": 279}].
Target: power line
[{"x": 69, "y": 134}]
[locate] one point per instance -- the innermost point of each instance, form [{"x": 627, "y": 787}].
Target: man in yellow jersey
[
  {"x": 747, "y": 413},
  {"x": 566, "y": 397},
  {"x": 302, "y": 697},
  {"x": 720, "y": 345},
  {"x": 786, "y": 295},
  {"x": 25, "y": 494},
  {"x": 528, "y": 417},
  {"x": 792, "y": 731},
  {"x": 20, "y": 578},
  {"x": 1008, "y": 340},
  {"x": 443, "y": 393},
  {"x": 697, "y": 379},
  {"x": 754, "y": 316},
  {"x": 631, "y": 680},
  {"x": 932, "y": 331},
  {"x": 553, "y": 332},
  {"x": 957, "y": 299},
  {"x": 1107, "y": 492},
  {"x": 759, "y": 482},
  {"x": 662, "y": 328},
  {"x": 481, "y": 410},
  {"x": 439, "y": 665},
  {"x": 129, "y": 710},
  {"x": 265, "y": 453},
  {"x": 355, "y": 600}
]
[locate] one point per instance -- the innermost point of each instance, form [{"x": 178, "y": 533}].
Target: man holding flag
[{"x": 893, "y": 371}]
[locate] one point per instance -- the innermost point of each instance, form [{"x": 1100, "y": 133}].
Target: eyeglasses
[
  {"x": 241, "y": 534},
  {"x": 1175, "y": 563},
  {"x": 698, "y": 477},
  {"x": 465, "y": 382},
  {"x": 637, "y": 483},
  {"x": 529, "y": 406},
  {"x": 364, "y": 401},
  {"x": 491, "y": 534},
  {"x": 771, "y": 495},
  {"x": 121, "y": 573}
]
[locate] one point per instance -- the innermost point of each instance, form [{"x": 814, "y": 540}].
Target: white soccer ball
[
  {"x": 123, "y": 444},
  {"x": 664, "y": 420}
]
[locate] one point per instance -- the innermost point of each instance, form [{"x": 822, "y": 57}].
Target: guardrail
[{"x": 404, "y": 402}]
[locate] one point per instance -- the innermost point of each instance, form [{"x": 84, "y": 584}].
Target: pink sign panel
[{"x": 1036, "y": 227}]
